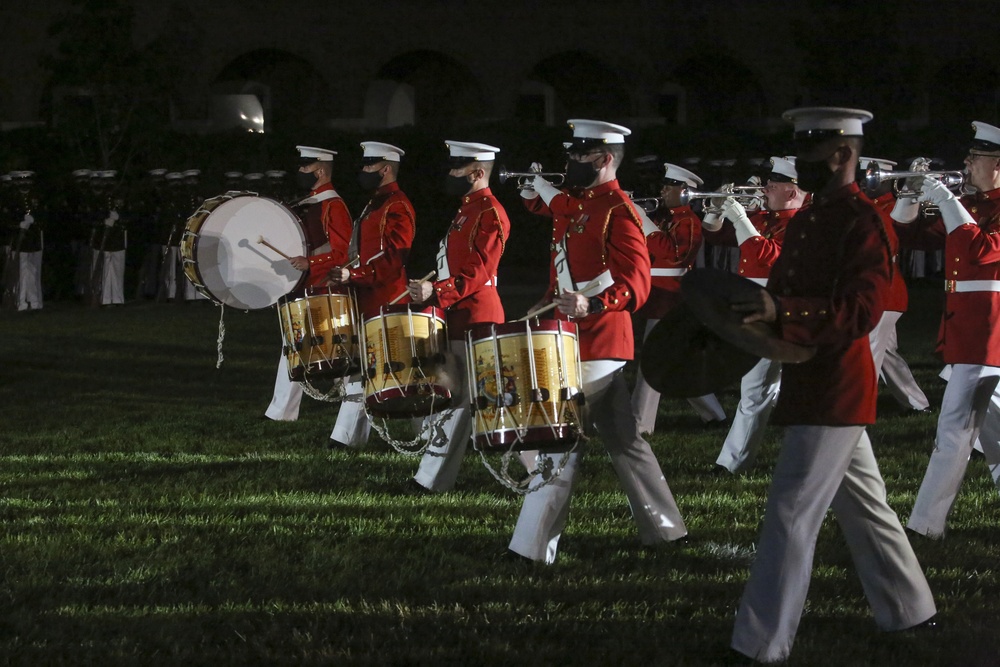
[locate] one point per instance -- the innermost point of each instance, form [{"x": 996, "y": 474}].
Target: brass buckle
[{"x": 949, "y": 286}]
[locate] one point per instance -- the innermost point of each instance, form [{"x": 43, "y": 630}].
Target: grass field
[{"x": 151, "y": 516}]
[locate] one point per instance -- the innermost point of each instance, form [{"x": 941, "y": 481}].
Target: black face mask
[
  {"x": 812, "y": 175},
  {"x": 306, "y": 181},
  {"x": 369, "y": 180},
  {"x": 456, "y": 186},
  {"x": 579, "y": 174}
]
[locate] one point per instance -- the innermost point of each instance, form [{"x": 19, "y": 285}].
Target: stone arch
[
  {"x": 425, "y": 87},
  {"x": 720, "y": 91},
  {"x": 290, "y": 89},
  {"x": 573, "y": 84}
]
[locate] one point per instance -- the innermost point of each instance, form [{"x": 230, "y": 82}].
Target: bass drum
[{"x": 224, "y": 260}]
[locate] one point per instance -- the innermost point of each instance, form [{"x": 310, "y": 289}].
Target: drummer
[
  {"x": 327, "y": 227},
  {"x": 466, "y": 288},
  {"x": 381, "y": 243},
  {"x": 603, "y": 246}
]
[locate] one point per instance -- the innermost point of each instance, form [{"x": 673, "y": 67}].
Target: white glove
[
  {"x": 545, "y": 189},
  {"x": 734, "y": 210},
  {"x": 27, "y": 222},
  {"x": 528, "y": 193},
  {"x": 717, "y": 202},
  {"x": 111, "y": 219},
  {"x": 906, "y": 210},
  {"x": 712, "y": 222},
  {"x": 536, "y": 167},
  {"x": 648, "y": 226},
  {"x": 953, "y": 214}
]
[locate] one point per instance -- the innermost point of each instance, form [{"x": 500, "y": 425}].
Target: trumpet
[
  {"x": 874, "y": 176},
  {"x": 747, "y": 195},
  {"x": 524, "y": 177},
  {"x": 647, "y": 204}
]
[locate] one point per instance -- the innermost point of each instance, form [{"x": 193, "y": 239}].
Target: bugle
[
  {"x": 524, "y": 178},
  {"x": 874, "y": 177},
  {"x": 746, "y": 198}
]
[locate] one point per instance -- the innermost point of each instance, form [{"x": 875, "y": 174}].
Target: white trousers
[
  {"x": 970, "y": 410},
  {"x": 758, "y": 394},
  {"x": 26, "y": 279},
  {"x": 646, "y": 400},
  {"x": 352, "y": 425},
  {"x": 112, "y": 276},
  {"x": 450, "y": 431},
  {"x": 891, "y": 367},
  {"x": 545, "y": 511},
  {"x": 287, "y": 395},
  {"x": 823, "y": 467}
]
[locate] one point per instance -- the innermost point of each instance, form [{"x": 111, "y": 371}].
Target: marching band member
[
  {"x": 673, "y": 240},
  {"x": 108, "y": 243},
  {"x": 889, "y": 364},
  {"x": 466, "y": 289},
  {"x": 381, "y": 243},
  {"x": 22, "y": 279},
  {"x": 969, "y": 338},
  {"x": 759, "y": 238},
  {"x": 327, "y": 226},
  {"x": 603, "y": 243},
  {"x": 827, "y": 290}
]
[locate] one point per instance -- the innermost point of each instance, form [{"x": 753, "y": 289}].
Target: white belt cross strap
[
  {"x": 760, "y": 281},
  {"x": 952, "y": 286},
  {"x": 667, "y": 273},
  {"x": 595, "y": 286},
  {"x": 443, "y": 273},
  {"x": 315, "y": 199}
]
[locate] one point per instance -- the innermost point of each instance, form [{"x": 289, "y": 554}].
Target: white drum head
[{"x": 234, "y": 267}]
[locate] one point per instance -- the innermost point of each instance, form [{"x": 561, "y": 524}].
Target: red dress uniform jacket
[
  {"x": 672, "y": 253},
  {"x": 830, "y": 281},
  {"x": 758, "y": 254},
  {"x": 475, "y": 242},
  {"x": 337, "y": 227},
  {"x": 605, "y": 233},
  {"x": 899, "y": 297},
  {"x": 969, "y": 333},
  {"x": 386, "y": 233}
]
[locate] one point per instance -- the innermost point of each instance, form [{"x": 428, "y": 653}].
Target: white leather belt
[
  {"x": 760, "y": 281},
  {"x": 972, "y": 286},
  {"x": 667, "y": 273},
  {"x": 492, "y": 282}
]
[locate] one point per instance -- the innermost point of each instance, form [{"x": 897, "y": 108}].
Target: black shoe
[
  {"x": 718, "y": 471},
  {"x": 977, "y": 455},
  {"x": 508, "y": 556},
  {"x": 337, "y": 444},
  {"x": 414, "y": 487}
]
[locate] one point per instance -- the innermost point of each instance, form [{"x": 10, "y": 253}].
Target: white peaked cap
[
  {"x": 191, "y": 172},
  {"x": 253, "y": 176},
  {"x": 987, "y": 136},
  {"x": 157, "y": 172},
  {"x": 233, "y": 174},
  {"x": 174, "y": 175},
  {"x": 318, "y": 154},
  {"x": 22, "y": 174},
  {"x": 477, "y": 152},
  {"x": 883, "y": 164},
  {"x": 107, "y": 173},
  {"x": 376, "y": 149},
  {"x": 675, "y": 173},
  {"x": 823, "y": 122},
  {"x": 608, "y": 133},
  {"x": 80, "y": 173},
  {"x": 275, "y": 173},
  {"x": 784, "y": 167}
]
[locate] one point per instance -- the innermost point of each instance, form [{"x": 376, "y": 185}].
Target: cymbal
[
  {"x": 682, "y": 358},
  {"x": 709, "y": 292}
]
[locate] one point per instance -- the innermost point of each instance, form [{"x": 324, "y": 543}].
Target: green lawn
[{"x": 150, "y": 515}]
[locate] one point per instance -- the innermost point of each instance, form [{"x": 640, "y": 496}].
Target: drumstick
[
  {"x": 263, "y": 241},
  {"x": 544, "y": 309},
  {"x": 427, "y": 277}
]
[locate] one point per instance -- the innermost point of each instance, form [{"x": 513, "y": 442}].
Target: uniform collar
[
  {"x": 599, "y": 190},
  {"x": 322, "y": 188},
  {"x": 476, "y": 196},
  {"x": 387, "y": 188},
  {"x": 849, "y": 190}
]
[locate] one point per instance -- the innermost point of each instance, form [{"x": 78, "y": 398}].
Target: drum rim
[
  {"x": 403, "y": 308},
  {"x": 509, "y": 329}
]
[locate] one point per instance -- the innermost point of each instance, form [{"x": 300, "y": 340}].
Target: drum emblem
[{"x": 486, "y": 386}]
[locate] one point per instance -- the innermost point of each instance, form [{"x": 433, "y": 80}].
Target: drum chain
[
  {"x": 523, "y": 487},
  {"x": 336, "y": 395},
  {"x": 222, "y": 335}
]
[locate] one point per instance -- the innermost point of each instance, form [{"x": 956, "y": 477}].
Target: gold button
[
  {"x": 957, "y": 259},
  {"x": 742, "y": 271},
  {"x": 822, "y": 312},
  {"x": 744, "y": 260},
  {"x": 788, "y": 313},
  {"x": 954, "y": 273},
  {"x": 581, "y": 207},
  {"x": 974, "y": 209},
  {"x": 804, "y": 313},
  {"x": 614, "y": 301},
  {"x": 626, "y": 293}
]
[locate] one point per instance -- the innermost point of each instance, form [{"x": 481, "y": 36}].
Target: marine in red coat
[
  {"x": 827, "y": 290},
  {"x": 384, "y": 233},
  {"x": 328, "y": 225},
  {"x": 970, "y": 336}
]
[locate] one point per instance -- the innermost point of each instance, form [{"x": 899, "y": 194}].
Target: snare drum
[
  {"x": 223, "y": 259},
  {"x": 319, "y": 333},
  {"x": 526, "y": 384},
  {"x": 405, "y": 347}
]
